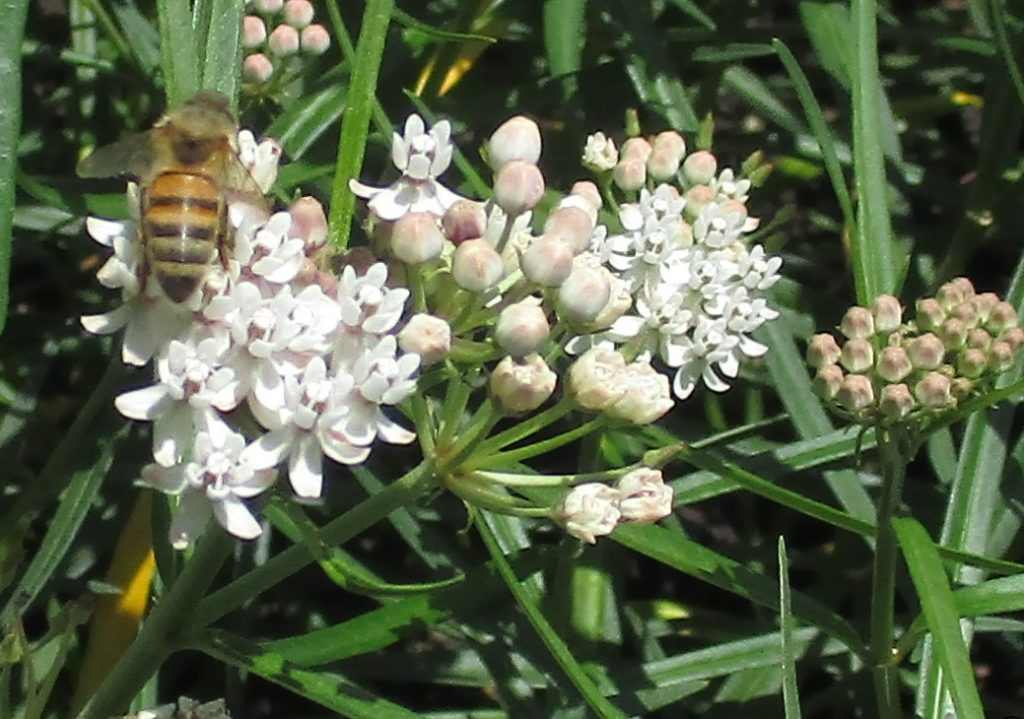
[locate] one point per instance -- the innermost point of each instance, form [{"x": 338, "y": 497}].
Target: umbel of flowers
[
  {"x": 889, "y": 371},
  {"x": 276, "y": 34}
]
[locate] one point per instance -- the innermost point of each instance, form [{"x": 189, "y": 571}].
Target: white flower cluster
[
  {"x": 593, "y": 510},
  {"x": 313, "y": 358}
]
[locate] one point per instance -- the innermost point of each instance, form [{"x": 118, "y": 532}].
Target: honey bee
[{"x": 187, "y": 168}]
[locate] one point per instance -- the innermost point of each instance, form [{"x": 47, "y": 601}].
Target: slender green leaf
[
  {"x": 790, "y": 693},
  {"x": 1006, "y": 48},
  {"x": 12, "y": 30},
  {"x": 694, "y": 11},
  {"x": 828, "y": 28},
  {"x": 221, "y": 62},
  {"x": 178, "y": 50},
  {"x": 306, "y": 120},
  {"x": 563, "y": 39}
]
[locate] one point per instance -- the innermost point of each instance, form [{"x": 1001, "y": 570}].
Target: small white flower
[
  {"x": 215, "y": 482},
  {"x": 727, "y": 187},
  {"x": 276, "y": 256},
  {"x": 590, "y": 511},
  {"x": 716, "y": 227},
  {"x": 599, "y": 154},
  {"x": 421, "y": 156},
  {"x": 260, "y": 159},
  {"x": 369, "y": 309},
  {"x": 644, "y": 496}
]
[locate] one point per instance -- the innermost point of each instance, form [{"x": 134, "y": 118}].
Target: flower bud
[
  {"x": 572, "y": 225},
  {"x": 1013, "y": 337},
  {"x": 518, "y": 187},
  {"x": 284, "y": 41},
  {"x": 697, "y": 197},
  {"x": 961, "y": 388},
  {"x": 955, "y": 292},
  {"x": 984, "y": 304},
  {"x": 953, "y": 333},
  {"x": 257, "y": 68},
  {"x": 979, "y": 339},
  {"x": 856, "y": 393},
  {"x": 309, "y": 223},
  {"x": 700, "y": 168},
  {"x": 857, "y": 355},
  {"x": 667, "y": 152},
  {"x": 547, "y": 261},
  {"x": 822, "y": 350},
  {"x": 926, "y": 352},
  {"x": 635, "y": 148},
  {"x": 858, "y": 322},
  {"x": 644, "y": 496},
  {"x": 589, "y": 511},
  {"x": 646, "y": 395},
  {"x": 522, "y": 386},
  {"x": 584, "y": 294},
  {"x": 972, "y": 363},
  {"x": 521, "y": 328},
  {"x": 895, "y": 402},
  {"x": 930, "y": 314},
  {"x": 934, "y": 391},
  {"x": 269, "y": 7},
  {"x": 464, "y": 220},
  {"x": 587, "y": 190},
  {"x": 518, "y": 138},
  {"x": 1001, "y": 318},
  {"x": 298, "y": 13},
  {"x": 416, "y": 238},
  {"x": 428, "y": 336},
  {"x": 1000, "y": 356},
  {"x": 630, "y": 174},
  {"x": 827, "y": 381},
  {"x": 254, "y": 32},
  {"x": 893, "y": 364},
  {"x": 314, "y": 39},
  {"x": 620, "y": 299},
  {"x": 887, "y": 313},
  {"x": 476, "y": 266},
  {"x": 599, "y": 154},
  {"x": 594, "y": 378}
]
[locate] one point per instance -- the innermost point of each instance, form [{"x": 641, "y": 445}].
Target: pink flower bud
[
  {"x": 465, "y": 220},
  {"x": 630, "y": 174},
  {"x": 476, "y": 266},
  {"x": 522, "y": 386},
  {"x": 697, "y": 198},
  {"x": 894, "y": 364},
  {"x": 428, "y": 336},
  {"x": 284, "y": 41},
  {"x": 926, "y": 352},
  {"x": 896, "y": 402},
  {"x": 547, "y": 261},
  {"x": 953, "y": 333},
  {"x": 594, "y": 378},
  {"x": 646, "y": 395},
  {"x": 619, "y": 301},
  {"x": 635, "y": 148},
  {"x": 700, "y": 168},
  {"x": 416, "y": 238},
  {"x": 930, "y": 314},
  {"x": 856, "y": 393},
  {"x": 518, "y": 138},
  {"x": 1013, "y": 337},
  {"x": 827, "y": 381},
  {"x": 644, "y": 496},
  {"x": 961, "y": 388},
  {"x": 521, "y": 328},
  {"x": 518, "y": 187},
  {"x": 309, "y": 223},
  {"x": 298, "y": 13},
  {"x": 662, "y": 165},
  {"x": 857, "y": 355},
  {"x": 572, "y": 225},
  {"x": 254, "y": 32},
  {"x": 979, "y": 339},
  {"x": 269, "y": 7},
  {"x": 315, "y": 39},
  {"x": 934, "y": 391},
  {"x": 857, "y": 322},
  {"x": 584, "y": 294},
  {"x": 822, "y": 350},
  {"x": 1002, "y": 317},
  {"x": 954, "y": 292},
  {"x": 972, "y": 363},
  {"x": 887, "y": 313},
  {"x": 589, "y": 511},
  {"x": 1000, "y": 357},
  {"x": 984, "y": 303},
  {"x": 587, "y": 190},
  {"x": 257, "y": 68}
]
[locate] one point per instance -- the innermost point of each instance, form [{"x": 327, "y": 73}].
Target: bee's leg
[{"x": 226, "y": 239}]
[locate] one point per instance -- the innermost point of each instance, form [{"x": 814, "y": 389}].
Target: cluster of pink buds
[
  {"x": 275, "y": 33},
  {"x": 889, "y": 371}
]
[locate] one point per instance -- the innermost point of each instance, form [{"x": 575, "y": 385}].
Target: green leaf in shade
[
  {"x": 941, "y": 616},
  {"x": 790, "y": 693},
  {"x": 139, "y": 35},
  {"x": 222, "y": 53},
  {"x": 828, "y": 28},
  {"x": 755, "y": 91},
  {"x": 1006, "y": 48},
  {"x": 563, "y": 37},
  {"x": 12, "y": 30},
  {"x": 326, "y": 689},
  {"x": 178, "y": 50},
  {"x": 876, "y": 265},
  {"x": 307, "y": 119},
  {"x": 692, "y": 9},
  {"x": 731, "y": 52}
]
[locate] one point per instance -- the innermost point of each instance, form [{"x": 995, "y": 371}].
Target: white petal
[
  {"x": 190, "y": 519},
  {"x": 386, "y": 205},
  {"x": 392, "y": 432},
  {"x": 237, "y": 519},
  {"x": 341, "y": 451},
  {"x": 305, "y": 468},
  {"x": 684, "y": 382},
  {"x": 269, "y": 450},
  {"x": 261, "y": 481},
  {"x": 169, "y": 480},
  {"x": 364, "y": 191},
  {"x": 104, "y": 231},
  {"x": 144, "y": 404},
  {"x": 107, "y": 323},
  {"x": 713, "y": 381},
  {"x": 173, "y": 432}
]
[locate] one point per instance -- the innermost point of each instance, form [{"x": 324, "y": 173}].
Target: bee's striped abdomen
[{"x": 182, "y": 218}]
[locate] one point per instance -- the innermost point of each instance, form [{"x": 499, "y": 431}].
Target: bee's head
[{"x": 201, "y": 126}]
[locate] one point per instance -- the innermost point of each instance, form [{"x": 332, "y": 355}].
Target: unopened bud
[
  {"x": 518, "y": 187},
  {"x": 926, "y": 352},
  {"x": 961, "y": 388},
  {"x": 1002, "y": 317},
  {"x": 951, "y": 294},
  {"x": 587, "y": 190},
  {"x": 700, "y": 168},
  {"x": 697, "y": 198},
  {"x": 667, "y": 152},
  {"x": 572, "y": 225},
  {"x": 257, "y": 68},
  {"x": 594, "y": 378},
  {"x": 254, "y": 32},
  {"x": 284, "y": 41},
  {"x": 887, "y": 313},
  {"x": 822, "y": 350},
  {"x": 972, "y": 363},
  {"x": 1000, "y": 356},
  {"x": 646, "y": 395},
  {"x": 630, "y": 174},
  {"x": 893, "y": 364},
  {"x": 858, "y": 322},
  {"x": 298, "y": 13},
  {"x": 476, "y": 266},
  {"x": 620, "y": 299},
  {"x": 984, "y": 303},
  {"x": 589, "y": 511},
  {"x": 857, "y": 355},
  {"x": 269, "y": 7},
  {"x": 644, "y": 496},
  {"x": 1013, "y": 337},
  {"x": 635, "y": 148},
  {"x": 522, "y": 385},
  {"x": 895, "y": 402},
  {"x": 856, "y": 393},
  {"x": 599, "y": 154},
  {"x": 547, "y": 261},
  {"x": 930, "y": 314},
  {"x": 315, "y": 39},
  {"x": 518, "y": 138},
  {"x": 428, "y": 336},
  {"x": 827, "y": 381},
  {"x": 979, "y": 339},
  {"x": 934, "y": 391},
  {"x": 521, "y": 328},
  {"x": 464, "y": 220},
  {"x": 416, "y": 238},
  {"x": 309, "y": 223},
  {"x": 953, "y": 333},
  {"x": 584, "y": 294}
]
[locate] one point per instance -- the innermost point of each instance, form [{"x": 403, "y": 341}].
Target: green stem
[
  {"x": 482, "y": 460},
  {"x": 883, "y": 584},
  {"x": 161, "y": 633},
  {"x": 403, "y": 491}
]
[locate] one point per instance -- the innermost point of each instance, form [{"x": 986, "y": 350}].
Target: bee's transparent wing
[
  {"x": 133, "y": 155},
  {"x": 239, "y": 183}
]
